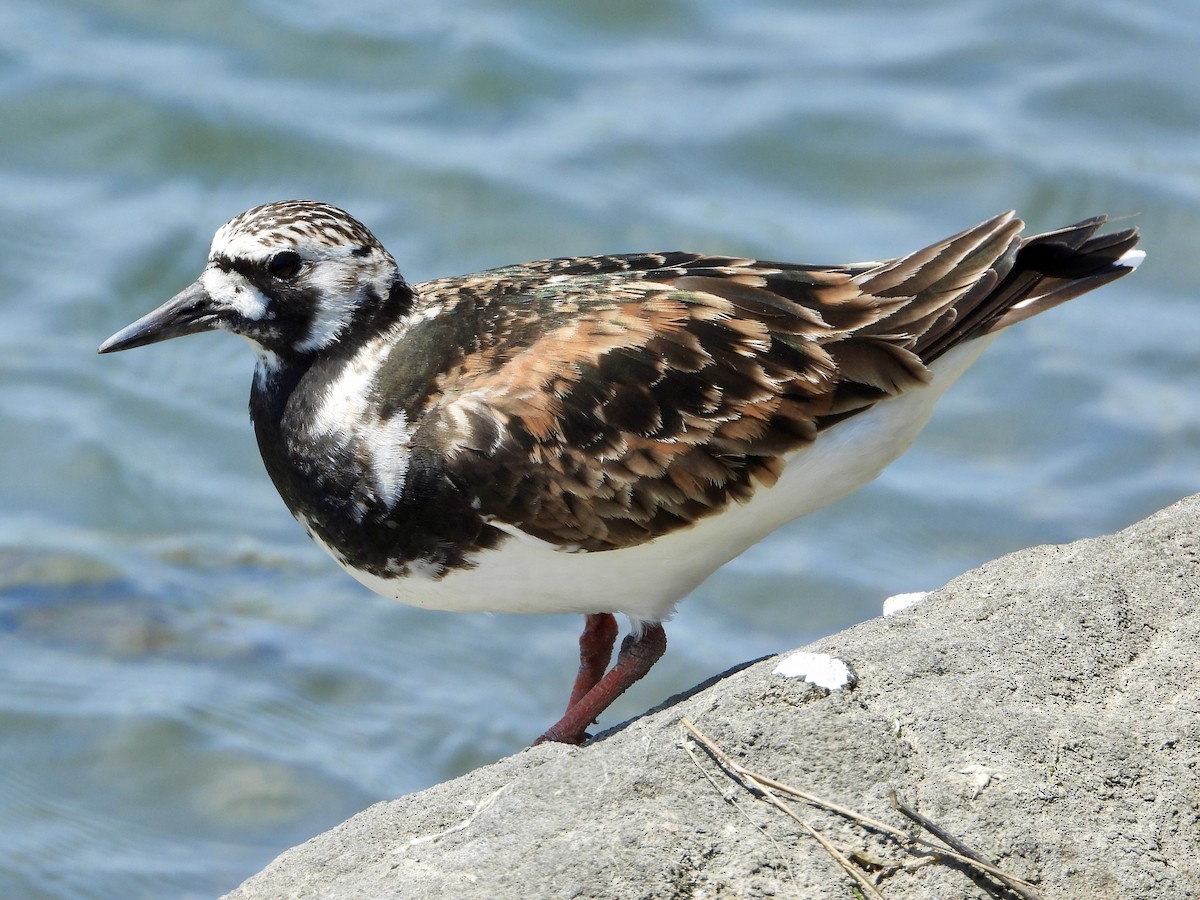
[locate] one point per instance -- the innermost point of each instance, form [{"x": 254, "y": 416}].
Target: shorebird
[{"x": 594, "y": 435}]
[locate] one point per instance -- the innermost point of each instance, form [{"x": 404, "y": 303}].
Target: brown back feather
[{"x": 616, "y": 399}]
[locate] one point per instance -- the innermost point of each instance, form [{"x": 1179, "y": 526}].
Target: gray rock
[{"x": 1045, "y": 709}]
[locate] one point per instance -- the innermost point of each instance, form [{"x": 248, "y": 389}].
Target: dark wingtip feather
[{"x": 1068, "y": 263}]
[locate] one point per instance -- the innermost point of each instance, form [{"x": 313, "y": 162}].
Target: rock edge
[{"x": 1044, "y": 708}]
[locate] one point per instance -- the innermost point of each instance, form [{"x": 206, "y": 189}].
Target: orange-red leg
[
  {"x": 595, "y": 652},
  {"x": 638, "y": 653}
]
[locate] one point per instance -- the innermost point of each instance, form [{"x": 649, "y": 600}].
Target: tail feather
[
  {"x": 969, "y": 285},
  {"x": 1066, "y": 272},
  {"x": 1032, "y": 275}
]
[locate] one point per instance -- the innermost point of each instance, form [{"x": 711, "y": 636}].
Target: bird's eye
[{"x": 285, "y": 265}]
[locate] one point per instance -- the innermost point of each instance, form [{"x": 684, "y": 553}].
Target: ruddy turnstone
[{"x": 594, "y": 435}]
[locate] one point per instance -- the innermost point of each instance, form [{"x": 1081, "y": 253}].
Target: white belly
[{"x": 526, "y": 575}]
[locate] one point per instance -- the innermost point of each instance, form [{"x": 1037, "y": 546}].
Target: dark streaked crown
[{"x": 308, "y": 221}]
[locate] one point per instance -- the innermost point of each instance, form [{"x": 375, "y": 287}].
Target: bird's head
[{"x": 294, "y": 277}]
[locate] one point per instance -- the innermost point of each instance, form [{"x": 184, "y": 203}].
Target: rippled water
[{"x": 187, "y": 686}]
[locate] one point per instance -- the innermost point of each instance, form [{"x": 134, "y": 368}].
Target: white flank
[
  {"x": 819, "y": 669},
  {"x": 898, "y": 602}
]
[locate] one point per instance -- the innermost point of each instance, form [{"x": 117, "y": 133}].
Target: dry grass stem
[{"x": 768, "y": 789}]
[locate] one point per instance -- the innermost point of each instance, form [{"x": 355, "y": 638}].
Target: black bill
[{"x": 190, "y": 311}]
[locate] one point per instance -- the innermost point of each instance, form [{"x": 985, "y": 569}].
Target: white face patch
[
  {"x": 233, "y": 291},
  {"x": 341, "y": 283},
  {"x": 338, "y": 293}
]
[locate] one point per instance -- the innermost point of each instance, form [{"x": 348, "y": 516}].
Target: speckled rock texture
[{"x": 1044, "y": 709}]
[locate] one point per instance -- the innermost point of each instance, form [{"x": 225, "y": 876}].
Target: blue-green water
[{"x": 187, "y": 686}]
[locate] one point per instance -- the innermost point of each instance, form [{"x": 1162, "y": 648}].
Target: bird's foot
[{"x": 638, "y": 653}]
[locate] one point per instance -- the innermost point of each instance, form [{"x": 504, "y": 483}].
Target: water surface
[{"x": 187, "y": 685}]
